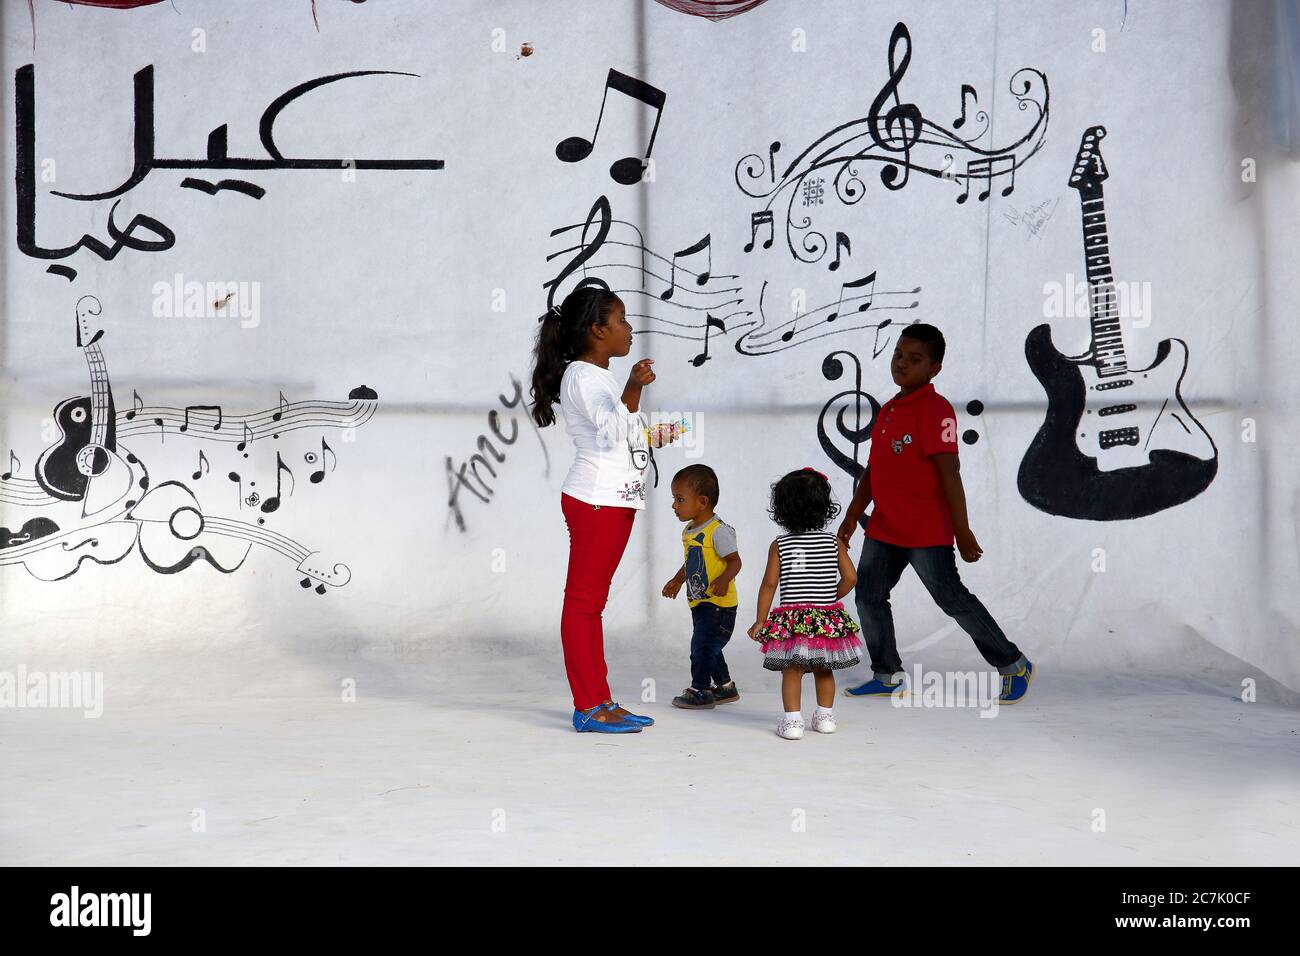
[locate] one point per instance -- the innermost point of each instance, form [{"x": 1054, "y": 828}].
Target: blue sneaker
[
  {"x": 630, "y": 717},
  {"x": 874, "y": 688},
  {"x": 583, "y": 723},
  {"x": 1015, "y": 686}
]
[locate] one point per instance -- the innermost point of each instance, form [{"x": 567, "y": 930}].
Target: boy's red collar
[{"x": 926, "y": 389}]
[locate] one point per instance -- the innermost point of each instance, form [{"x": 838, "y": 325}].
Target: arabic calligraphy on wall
[{"x": 160, "y": 237}]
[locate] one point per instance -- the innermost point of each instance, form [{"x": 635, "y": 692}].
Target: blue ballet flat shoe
[
  {"x": 873, "y": 688},
  {"x": 631, "y": 718},
  {"x": 1015, "y": 686},
  {"x": 583, "y": 722}
]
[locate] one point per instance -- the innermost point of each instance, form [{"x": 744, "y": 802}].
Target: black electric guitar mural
[
  {"x": 84, "y": 465},
  {"x": 1117, "y": 442}
]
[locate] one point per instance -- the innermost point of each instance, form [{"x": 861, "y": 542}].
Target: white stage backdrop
[{"x": 273, "y": 272}]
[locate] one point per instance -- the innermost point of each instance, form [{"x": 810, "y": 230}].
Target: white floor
[{"x": 429, "y": 767}]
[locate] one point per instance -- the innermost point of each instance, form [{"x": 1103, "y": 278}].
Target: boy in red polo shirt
[{"x": 912, "y": 475}]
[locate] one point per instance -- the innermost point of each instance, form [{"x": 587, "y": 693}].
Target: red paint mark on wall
[
  {"x": 107, "y": 4},
  {"x": 133, "y": 4},
  {"x": 113, "y": 4},
  {"x": 712, "y": 9}
]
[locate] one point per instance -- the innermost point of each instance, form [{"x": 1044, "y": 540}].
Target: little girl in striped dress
[{"x": 809, "y": 630}]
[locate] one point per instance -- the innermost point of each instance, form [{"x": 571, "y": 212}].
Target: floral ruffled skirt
[{"x": 809, "y": 636}]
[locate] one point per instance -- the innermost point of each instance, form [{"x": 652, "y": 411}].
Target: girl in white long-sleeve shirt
[
  {"x": 611, "y": 444},
  {"x": 604, "y": 488}
]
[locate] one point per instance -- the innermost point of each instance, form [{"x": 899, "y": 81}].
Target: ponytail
[{"x": 562, "y": 338}]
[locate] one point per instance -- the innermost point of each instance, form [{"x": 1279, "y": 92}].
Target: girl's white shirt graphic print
[{"x": 612, "y": 453}]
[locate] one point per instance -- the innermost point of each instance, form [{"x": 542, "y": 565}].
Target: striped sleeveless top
[{"x": 810, "y": 567}]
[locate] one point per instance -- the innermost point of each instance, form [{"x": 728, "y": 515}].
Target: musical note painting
[
  {"x": 850, "y": 415},
  {"x": 848, "y": 312},
  {"x": 681, "y": 296},
  {"x": 113, "y": 506},
  {"x": 899, "y": 138},
  {"x": 694, "y": 303},
  {"x": 677, "y": 295},
  {"x": 629, "y": 169}
]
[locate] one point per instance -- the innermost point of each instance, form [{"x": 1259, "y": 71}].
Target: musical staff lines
[
  {"x": 701, "y": 300},
  {"x": 26, "y": 492},
  {"x": 211, "y": 424},
  {"x": 763, "y": 337}
]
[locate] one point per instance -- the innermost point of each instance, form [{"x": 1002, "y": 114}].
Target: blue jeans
[
  {"x": 879, "y": 569},
  {"x": 711, "y": 629}
]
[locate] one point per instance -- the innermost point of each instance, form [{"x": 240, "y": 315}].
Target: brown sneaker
[
  {"x": 726, "y": 694},
  {"x": 692, "y": 699}
]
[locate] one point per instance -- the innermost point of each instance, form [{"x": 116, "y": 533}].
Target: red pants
[{"x": 597, "y": 537}]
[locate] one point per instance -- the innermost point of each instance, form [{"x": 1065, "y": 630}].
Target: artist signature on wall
[{"x": 1034, "y": 219}]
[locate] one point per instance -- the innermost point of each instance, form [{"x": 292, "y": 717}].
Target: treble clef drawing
[
  {"x": 847, "y": 408},
  {"x": 601, "y": 212},
  {"x": 896, "y": 135},
  {"x": 902, "y": 123}
]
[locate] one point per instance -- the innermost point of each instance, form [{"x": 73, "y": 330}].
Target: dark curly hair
[
  {"x": 561, "y": 337},
  {"x": 802, "y": 502}
]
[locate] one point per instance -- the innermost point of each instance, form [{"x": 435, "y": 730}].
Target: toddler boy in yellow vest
[{"x": 711, "y": 564}]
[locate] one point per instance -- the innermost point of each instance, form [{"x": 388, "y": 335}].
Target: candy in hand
[{"x": 665, "y": 432}]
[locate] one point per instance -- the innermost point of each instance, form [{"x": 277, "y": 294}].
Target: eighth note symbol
[
  {"x": 966, "y": 90},
  {"x": 841, "y": 243},
  {"x": 137, "y": 405},
  {"x": 203, "y": 466},
  {"x": 710, "y": 323},
  {"x": 628, "y": 170},
  {"x": 318, "y": 475},
  {"x": 273, "y": 503},
  {"x": 761, "y": 218},
  {"x": 201, "y": 408},
  {"x": 704, "y": 245},
  {"x": 989, "y": 169},
  {"x": 868, "y": 282}
]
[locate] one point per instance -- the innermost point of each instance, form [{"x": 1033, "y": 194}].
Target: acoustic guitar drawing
[{"x": 83, "y": 465}]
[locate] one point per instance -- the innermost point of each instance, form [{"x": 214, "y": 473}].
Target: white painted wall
[{"x": 389, "y": 281}]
